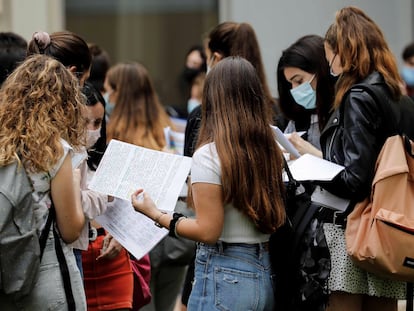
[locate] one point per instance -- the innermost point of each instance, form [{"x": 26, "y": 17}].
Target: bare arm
[
  {"x": 208, "y": 224},
  {"x": 304, "y": 146},
  {"x": 65, "y": 192}
]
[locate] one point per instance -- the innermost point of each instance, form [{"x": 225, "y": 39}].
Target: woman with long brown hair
[
  {"x": 138, "y": 117},
  {"x": 357, "y": 52},
  {"x": 237, "y": 192}
]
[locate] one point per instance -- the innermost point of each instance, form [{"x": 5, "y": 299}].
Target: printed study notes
[{"x": 123, "y": 169}]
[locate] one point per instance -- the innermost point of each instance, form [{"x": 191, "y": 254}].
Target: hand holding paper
[
  {"x": 310, "y": 167},
  {"x": 143, "y": 204},
  {"x": 284, "y": 142}
]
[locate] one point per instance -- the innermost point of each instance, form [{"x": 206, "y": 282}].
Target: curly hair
[{"x": 40, "y": 104}]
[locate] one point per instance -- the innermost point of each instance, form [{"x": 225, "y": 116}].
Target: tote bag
[{"x": 380, "y": 230}]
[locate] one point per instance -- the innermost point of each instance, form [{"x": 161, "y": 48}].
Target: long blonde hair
[
  {"x": 362, "y": 49},
  {"x": 138, "y": 117},
  {"x": 40, "y": 103}
]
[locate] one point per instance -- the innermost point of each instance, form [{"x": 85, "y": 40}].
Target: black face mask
[{"x": 190, "y": 73}]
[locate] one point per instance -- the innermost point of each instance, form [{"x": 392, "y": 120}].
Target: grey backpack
[{"x": 20, "y": 250}]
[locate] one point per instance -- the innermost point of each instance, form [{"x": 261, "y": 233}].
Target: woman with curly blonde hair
[{"x": 41, "y": 113}]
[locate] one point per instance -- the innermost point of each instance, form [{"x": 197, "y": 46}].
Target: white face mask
[{"x": 92, "y": 137}]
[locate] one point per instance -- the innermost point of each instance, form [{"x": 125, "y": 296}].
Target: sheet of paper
[
  {"x": 310, "y": 167},
  {"x": 174, "y": 140},
  {"x": 284, "y": 142},
  {"x": 300, "y": 133},
  {"x": 327, "y": 199},
  {"x": 125, "y": 168},
  {"x": 136, "y": 232}
]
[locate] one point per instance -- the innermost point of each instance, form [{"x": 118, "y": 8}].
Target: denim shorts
[{"x": 232, "y": 276}]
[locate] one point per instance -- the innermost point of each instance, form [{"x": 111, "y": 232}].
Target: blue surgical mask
[
  {"x": 109, "y": 106},
  {"x": 407, "y": 73},
  {"x": 191, "y": 104},
  {"x": 305, "y": 95}
]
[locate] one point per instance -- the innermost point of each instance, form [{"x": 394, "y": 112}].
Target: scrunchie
[{"x": 42, "y": 39}]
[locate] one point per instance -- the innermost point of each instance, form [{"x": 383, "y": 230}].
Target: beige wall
[
  {"x": 27, "y": 16},
  {"x": 158, "y": 41}
]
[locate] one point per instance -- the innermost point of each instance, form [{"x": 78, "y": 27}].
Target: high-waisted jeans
[{"x": 234, "y": 276}]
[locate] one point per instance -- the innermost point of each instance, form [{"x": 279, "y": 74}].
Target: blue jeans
[
  {"x": 78, "y": 257},
  {"x": 232, "y": 277}
]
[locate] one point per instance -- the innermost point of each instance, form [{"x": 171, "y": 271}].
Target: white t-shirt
[{"x": 237, "y": 228}]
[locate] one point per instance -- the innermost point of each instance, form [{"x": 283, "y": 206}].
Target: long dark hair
[
  {"x": 307, "y": 54},
  {"x": 95, "y": 153}
]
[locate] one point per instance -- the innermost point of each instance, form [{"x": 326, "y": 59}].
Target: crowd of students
[{"x": 61, "y": 96}]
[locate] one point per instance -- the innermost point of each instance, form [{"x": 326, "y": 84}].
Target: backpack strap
[
  {"x": 62, "y": 264},
  {"x": 45, "y": 233},
  {"x": 409, "y": 297},
  {"x": 50, "y": 217}
]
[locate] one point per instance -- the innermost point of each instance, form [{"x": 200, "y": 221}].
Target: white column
[{"x": 24, "y": 17}]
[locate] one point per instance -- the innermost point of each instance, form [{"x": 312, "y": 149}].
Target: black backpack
[{"x": 299, "y": 253}]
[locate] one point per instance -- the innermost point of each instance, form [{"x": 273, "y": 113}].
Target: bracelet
[
  {"x": 173, "y": 223},
  {"x": 157, "y": 220}
]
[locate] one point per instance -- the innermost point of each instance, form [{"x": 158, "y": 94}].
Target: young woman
[
  {"x": 357, "y": 52},
  {"x": 138, "y": 117},
  {"x": 107, "y": 272},
  {"x": 306, "y": 91},
  {"x": 73, "y": 52},
  {"x": 65, "y": 46},
  {"x": 41, "y": 105},
  {"x": 237, "y": 191}
]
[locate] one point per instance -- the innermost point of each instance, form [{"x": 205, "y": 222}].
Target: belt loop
[
  {"x": 220, "y": 246},
  {"x": 93, "y": 234}
]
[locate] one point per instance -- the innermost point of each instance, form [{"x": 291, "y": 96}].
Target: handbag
[
  {"x": 380, "y": 230},
  {"x": 142, "y": 276}
]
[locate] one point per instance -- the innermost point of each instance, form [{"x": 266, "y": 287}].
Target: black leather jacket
[{"x": 353, "y": 137}]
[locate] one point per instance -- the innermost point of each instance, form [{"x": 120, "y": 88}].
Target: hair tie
[{"x": 42, "y": 39}]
